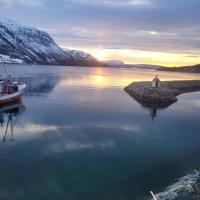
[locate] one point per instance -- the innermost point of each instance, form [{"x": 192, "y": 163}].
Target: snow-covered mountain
[
  {"x": 37, "y": 47},
  {"x": 115, "y": 63},
  {"x": 77, "y": 57},
  {"x": 8, "y": 59}
]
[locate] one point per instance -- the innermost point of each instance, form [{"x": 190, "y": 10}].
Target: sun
[{"x": 100, "y": 55}]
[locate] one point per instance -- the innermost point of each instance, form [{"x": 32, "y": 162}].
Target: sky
[{"x": 161, "y": 32}]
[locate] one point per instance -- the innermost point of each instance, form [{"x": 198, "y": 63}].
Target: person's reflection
[
  {"x": 153, "y": 108},
  {"x": 153, "y": 113},
  {"x": 9, "y": 115}
]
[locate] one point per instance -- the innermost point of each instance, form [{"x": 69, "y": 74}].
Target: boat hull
[{"x": 7, "y": 98}]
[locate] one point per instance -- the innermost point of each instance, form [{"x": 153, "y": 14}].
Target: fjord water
[{"x": 79, "y": 136}]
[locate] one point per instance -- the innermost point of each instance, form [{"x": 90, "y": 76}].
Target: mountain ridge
[
  {"x": 191, "y": 69},
  {"x": 35, "y": 46}
]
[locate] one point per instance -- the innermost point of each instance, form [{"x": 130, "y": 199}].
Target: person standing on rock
[{"x": 156, "y": 82}]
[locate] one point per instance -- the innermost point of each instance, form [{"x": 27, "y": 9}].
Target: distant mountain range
[
  {"x": 191, "y": 69},
  {"x": 145, "y": 66},
  {"x": 28, "y": 44},
  {"x": 115, "y": 63},
  {"x": 119, "y": 63}
]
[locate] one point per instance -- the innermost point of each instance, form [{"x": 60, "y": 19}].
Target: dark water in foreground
[{"x": 79, "y": 136}]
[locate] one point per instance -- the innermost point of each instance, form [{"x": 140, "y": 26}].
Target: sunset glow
[
  {"x": 100, "y": 54},
  {"x": 133, "y": 31},
  {"x": 144, "y": 57}
]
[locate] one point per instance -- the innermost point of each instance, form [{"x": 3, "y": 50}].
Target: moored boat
[{"x": 10, "y": 90}]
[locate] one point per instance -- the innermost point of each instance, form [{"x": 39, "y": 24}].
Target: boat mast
[
  {"x": 6, "y": 72},
  {"x": 9, "y": 122}
]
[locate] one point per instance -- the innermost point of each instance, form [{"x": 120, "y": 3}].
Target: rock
[
  {"x": 164, "y": 96},
  {"x": 186, "y": 188}
]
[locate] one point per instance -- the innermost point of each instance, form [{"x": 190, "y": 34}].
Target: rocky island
[{"x": 162, "y": 96}]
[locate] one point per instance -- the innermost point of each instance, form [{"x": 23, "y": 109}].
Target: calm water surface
[{"x": 79, "y": 136}]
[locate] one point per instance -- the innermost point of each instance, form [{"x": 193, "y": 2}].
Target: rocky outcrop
[
  {"x": 166, "y": 95},
  {"x": 186, "y": 188}
]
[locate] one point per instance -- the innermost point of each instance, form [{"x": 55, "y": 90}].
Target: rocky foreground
[
  {"x": 186, "y": 188},
  {"x": 167, "y": 94}
]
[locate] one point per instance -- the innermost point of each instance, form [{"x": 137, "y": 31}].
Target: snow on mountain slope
[
  {"x": 8, "y": 59},
  {"x": 81, "y": 58},
  {"x": 37, "y": 47}
]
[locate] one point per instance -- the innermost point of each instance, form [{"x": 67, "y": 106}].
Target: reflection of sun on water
[
  {"x": 102, "y": 77},
  {"x": 99, "y": 80}
]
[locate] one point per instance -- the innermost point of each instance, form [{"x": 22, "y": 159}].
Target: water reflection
[
  {"x": 89, "y": 140},
  {"x": 152, "y": 108},
  {"x": 153, "y": 111},
  {"x": 41, "y": 85},
  {"x": 9, "y": 115}
]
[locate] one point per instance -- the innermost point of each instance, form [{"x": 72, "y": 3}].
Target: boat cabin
[
  {"x": 156, "y": 82},
  {"x": 8, "y": 87},
  {"x": 9, "y": 90}
]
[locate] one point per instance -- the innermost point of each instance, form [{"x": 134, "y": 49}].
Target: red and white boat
[
  {"x": 10, "y": 91},
  {"x": 13, "y": 92}
]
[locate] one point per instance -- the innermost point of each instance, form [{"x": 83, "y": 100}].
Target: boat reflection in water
[
  {"x": 40, "y": 86},
  {"x": 9, "y": 115}
]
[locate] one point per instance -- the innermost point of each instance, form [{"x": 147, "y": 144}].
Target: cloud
[
  {"x": 10, "y": 3},
  {"x": 149, "y": 25},
  {"x": 79, "y": 146},
  {"x": 113, "y": 2}
]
